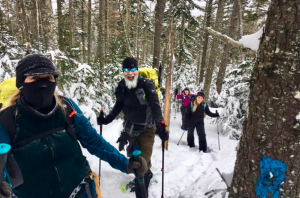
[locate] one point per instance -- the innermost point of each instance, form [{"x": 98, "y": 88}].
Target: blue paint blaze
[{"x": 266, "y": 183}]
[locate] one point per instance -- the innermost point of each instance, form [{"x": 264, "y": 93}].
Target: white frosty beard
[{"x": 130, "y": 84}]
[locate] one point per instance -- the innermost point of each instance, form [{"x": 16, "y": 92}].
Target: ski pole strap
[{"x": 141, "y": 179}]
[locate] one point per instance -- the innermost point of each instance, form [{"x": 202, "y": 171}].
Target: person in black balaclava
[
  {"x": 44, "y": 131},
  {"x": 36, "y": 79}
]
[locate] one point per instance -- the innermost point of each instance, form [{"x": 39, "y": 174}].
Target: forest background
[{"x": 195, "y": 42}]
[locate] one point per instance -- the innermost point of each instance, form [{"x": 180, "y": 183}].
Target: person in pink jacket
[{"x": 185, "y": 96}]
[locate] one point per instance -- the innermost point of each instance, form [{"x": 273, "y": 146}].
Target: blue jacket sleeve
[{"x": 95, "y": 144}]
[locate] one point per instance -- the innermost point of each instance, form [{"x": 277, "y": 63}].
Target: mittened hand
[
  {"x": 5, "y": 190},
  {"x": 162, "y": 132},
  {"x": 138, "y": 166},
  {"x": 176, "y": 91},
  {"x": 101, "y": 120}
]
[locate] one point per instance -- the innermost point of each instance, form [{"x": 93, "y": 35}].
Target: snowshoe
[{"x": 130, "y": 187}]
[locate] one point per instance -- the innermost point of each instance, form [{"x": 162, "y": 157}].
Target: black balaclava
[{"x": 39, "y": 93}]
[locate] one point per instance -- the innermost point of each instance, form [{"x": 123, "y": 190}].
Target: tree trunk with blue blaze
[{"x": 268, "y": 158}]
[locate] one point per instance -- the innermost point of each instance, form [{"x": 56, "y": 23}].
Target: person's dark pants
[
  {"x": 201, "y": 135},
  {"x": 147, "y": 177},
  {"x": 183, "y": 110}
]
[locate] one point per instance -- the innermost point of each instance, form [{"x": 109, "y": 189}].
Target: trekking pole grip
[
  {"x": 140, "y": 178},
  {"x": 102, "y": 115},
  {"x": 4, "y": 149}
]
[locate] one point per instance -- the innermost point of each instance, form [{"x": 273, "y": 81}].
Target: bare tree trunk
[
  {"x": 198, "y": 66},
  {"x": 82, "y": 29},
  {"x": 272, "y": 125},
  {"x": 47, "y": 21},
  {"x": 181, "y": 40},
  {"x": 7, "y": 18},
  {"x": 128, "y": 19},
  {"x": 24, "y": 22},
  {"x": 206, "y": 35},
  {"x": 167, "y": 105},
  {"x": 214, "y": 50},
  {"x": 138, "y": 27},
  {"x": 71, "y": 22},
  {"x": 59, "y": 24},
  {"x": 34, "y": 23},
  {"x": 127, "y": 40},
  {"x": 106, "y": 42},
  {"x": 143, "y": 51},
  {"x": 99, "y": 56},
  {"x": 225, "y": 57},
  {"x": 165, "y": 59},
  {"x": 159, "y": 13},
  {"x": 89, "y": 29}
]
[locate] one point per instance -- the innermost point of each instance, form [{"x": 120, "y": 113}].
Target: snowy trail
[{"x": 188, "y": 172}]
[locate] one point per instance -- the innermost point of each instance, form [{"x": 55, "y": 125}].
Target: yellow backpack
[
  {"x": 7, "y": 88},
  {"x": 151, "y": 74}
]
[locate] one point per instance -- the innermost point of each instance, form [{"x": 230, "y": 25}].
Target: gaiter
[{"x": 39, "y": 93}]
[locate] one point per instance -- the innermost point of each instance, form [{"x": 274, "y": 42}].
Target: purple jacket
[{"x": 185, "y": 99}]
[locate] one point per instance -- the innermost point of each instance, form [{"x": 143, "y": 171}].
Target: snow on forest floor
[{"x": 188, "y": 172}]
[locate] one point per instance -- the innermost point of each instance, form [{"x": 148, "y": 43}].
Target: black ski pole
[
  {"x": 140, "y": 178},
  {"x": 180, "y": 138},
  {"x": 101, "y": 114},
  {"x": 218, "y": 132},
  {"x": 162, "y": 169},
  {"x": 163, "y": 161},
  {"x": 4, "y": 148}
]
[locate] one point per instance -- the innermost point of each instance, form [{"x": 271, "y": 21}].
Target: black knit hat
[
  {"x": 200, "y": 93},
  {"x": 32, "y": 65},
  {"x": 186, "y": 89},
  {"x": 129, "y": 62}
]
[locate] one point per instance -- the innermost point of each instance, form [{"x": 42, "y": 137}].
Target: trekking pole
[
  {"x": 101, "y": 114},
  {"x": 163, "y": 162},
  {"x": 180, "y": 138},
  {"x": 140, "y": 178},
  {"x": 218, "y": 132},
  {"x": 4, "y": 148}
]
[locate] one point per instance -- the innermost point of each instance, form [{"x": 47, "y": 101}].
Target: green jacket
[{"x": 53, "y": 166}]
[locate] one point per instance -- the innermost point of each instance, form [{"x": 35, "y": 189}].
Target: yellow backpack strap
[{"x": 93, "y": 176}]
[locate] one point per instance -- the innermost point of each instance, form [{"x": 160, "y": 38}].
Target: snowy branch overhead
[{"x": 248, "y": 42}]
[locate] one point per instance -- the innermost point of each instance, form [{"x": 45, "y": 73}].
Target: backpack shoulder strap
[
  {"x": 8, "y": 122},
  {"x": 70, "y": 111}
]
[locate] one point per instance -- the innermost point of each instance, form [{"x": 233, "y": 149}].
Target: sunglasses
[{"x": 127, "y": 70}]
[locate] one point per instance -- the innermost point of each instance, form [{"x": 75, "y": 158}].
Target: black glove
[
  {"x": 185, "y": 126},
  {"x": 5, "y": 190},
  {"x": 122, "y": 140},
  {"x": 176, "y": 92},
  {"x": 101, "y": 120},
  {"x": 138, "y": 167},
  {"x": 217, "y": 113},
  {"x": 162, "y": 132}
]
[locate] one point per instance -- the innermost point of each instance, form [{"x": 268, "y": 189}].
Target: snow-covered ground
[{"x": 188, "y": 172}]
